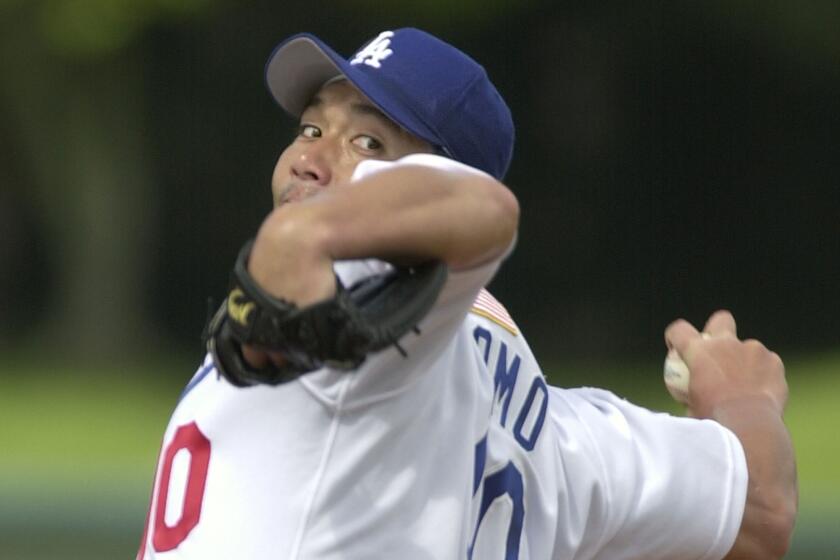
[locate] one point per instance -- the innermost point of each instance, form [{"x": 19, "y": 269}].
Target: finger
[
  {"x": 277, "y": 358},
  {"x": 721, "y": 323},
  {"x": 255, "y": 358},
  {"x": 679, "y": 335}
]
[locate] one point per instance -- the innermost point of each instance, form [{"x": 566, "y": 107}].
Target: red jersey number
[{"x": 190, "y": 439}]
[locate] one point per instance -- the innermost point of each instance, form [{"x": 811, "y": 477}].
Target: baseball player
[{"x": 447, "y": 443}]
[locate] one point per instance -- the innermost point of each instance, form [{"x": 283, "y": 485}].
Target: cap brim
[
  {"x": 298, "y": 68},
  {"x": 302, "y": 64}
]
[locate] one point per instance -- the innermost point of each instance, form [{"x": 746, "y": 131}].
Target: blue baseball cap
[{"x": 428, "y": 87}]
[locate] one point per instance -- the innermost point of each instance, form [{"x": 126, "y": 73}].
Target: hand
[
  {"x": 741, "y": 385},
  {"x": 725, "y": 369}
]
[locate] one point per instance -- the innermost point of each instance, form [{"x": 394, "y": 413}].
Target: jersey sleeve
[{"x": 641, "y": 484}]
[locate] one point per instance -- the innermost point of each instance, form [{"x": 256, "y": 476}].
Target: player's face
[{"x": 338, "y": 129}]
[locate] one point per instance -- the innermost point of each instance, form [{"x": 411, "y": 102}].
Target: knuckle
[
  {"x": 695, "y": 343},
  {"x": 674, "y": 328},
  {"x": 722, "y": 313},
  {"x": 754, "y": 345},
  {"x": 777, "y": 361}
]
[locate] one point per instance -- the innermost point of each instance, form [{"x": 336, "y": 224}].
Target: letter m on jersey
[{"x": 504, "y": 379}]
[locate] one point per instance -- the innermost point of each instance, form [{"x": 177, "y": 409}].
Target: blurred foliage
[
  {"x": 806, "y": 27},
  {"x": 73, "y": 102},
  {"x": 94, "y": 28},
  {"x": 473, "y": 12},
  {"x": 672, "y": 158}
]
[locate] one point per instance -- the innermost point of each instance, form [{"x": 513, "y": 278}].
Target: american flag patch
[{"x": 489, "y": 307}]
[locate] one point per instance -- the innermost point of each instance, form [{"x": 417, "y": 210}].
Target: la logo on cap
[{"x": 376, "y": 51}]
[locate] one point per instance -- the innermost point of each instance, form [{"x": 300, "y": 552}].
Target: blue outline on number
[
  {"x": 507, "y": 481},
  {"x": 202, "y": 373}
]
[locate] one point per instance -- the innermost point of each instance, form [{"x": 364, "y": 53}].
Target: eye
[
  {"x": 368, "y": 143},
  {"x": 309, "y": 131}
]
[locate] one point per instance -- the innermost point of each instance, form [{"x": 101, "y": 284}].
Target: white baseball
[{"x": 677, "y": 375}]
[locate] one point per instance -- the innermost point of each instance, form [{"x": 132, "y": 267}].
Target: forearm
[
  {"x": 409, "y": 213},
  {"x": 771, "y": 504}
]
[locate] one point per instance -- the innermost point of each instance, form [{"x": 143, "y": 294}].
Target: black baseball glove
[{"x": 339, "y": 332}]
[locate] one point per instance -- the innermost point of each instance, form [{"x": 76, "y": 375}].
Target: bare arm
[
  {"x": 741, "y": 385},
  {"x": 409, "y": 213}
]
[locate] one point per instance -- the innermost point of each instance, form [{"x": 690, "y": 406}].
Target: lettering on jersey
[
  {"x": 505, "y": 373},
  {"x": 531, "y": 413},
  {"x": 484, "y": 338},
  {"x": 525, "y": 421},
  {"x": 504, "y": 379},
  {"x": 376, "y": 51},
  {"x": 238, "y": 310}
]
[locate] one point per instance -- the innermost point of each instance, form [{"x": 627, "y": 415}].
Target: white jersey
[{"x": 459, "y": 450}]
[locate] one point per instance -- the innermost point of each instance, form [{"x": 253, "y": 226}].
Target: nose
[{"x": 313, "y": 164}]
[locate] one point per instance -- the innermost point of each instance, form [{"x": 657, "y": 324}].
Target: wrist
[
  {"x": 289, "y": 258},
  {"x": 758, "y": 406}
]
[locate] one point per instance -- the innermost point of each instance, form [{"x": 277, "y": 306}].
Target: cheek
[
  {"x": 341, "y": 175},
  {"x": 281, "y": 173}
]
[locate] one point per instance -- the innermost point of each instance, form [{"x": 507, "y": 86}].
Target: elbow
[
  {"x": 507, "y": 214},
  {"x": 501, "y": 209},
  {"x": 481, "y": 221},
  {"x": 492, "y": 228}
]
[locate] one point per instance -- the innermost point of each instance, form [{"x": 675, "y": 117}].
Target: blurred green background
[{"x": 672, "y": 159}]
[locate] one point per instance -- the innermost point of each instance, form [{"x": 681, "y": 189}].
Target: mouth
[{"x": 295, "y": 192}]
